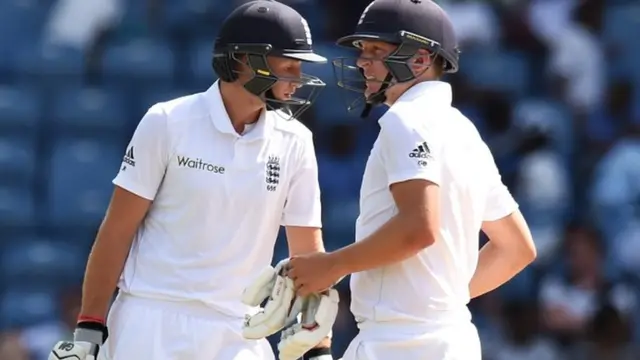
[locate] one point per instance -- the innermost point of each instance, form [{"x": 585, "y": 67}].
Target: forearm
[
  {"x": 391, "y": 243},
  {"x": 304, "y": 240},
  {"x": 496, "y": 266},
  {"x": 104, "y": 267}
]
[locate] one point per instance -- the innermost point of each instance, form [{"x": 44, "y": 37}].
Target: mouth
[
  {"x": 370, "y": 83},
  {"x": 370, "y": 80}
]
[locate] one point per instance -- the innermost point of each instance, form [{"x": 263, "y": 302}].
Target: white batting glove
[
  {"x": 85, "y": 345},
  {"x": 318, "y": 315},
  {"x": 281, "y": 308},
  {"x": 67, "y": 350}
]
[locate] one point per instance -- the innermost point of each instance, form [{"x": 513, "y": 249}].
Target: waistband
[
  {"x": 189, "y": 308},
  {"x": 434, "y": 320}
]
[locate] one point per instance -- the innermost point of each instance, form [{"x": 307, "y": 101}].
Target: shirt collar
[
  {"x": 430, "y": 91},
  {"x": 222, "y": 122}
]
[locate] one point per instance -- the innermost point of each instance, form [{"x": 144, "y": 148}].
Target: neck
[
  {"x": 242, "y": 107},
  {"x": 393, "y": 94},
  {"x": 395, "y": 91}
]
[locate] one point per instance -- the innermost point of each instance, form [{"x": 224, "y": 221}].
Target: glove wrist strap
[
  {"x": 88, "y": 335},
  {"x": 92, "y": 332},
  {"x": 322, "y": 353},
  {"x": 321, "y": 357},
  {"x": 85, "y": 318}
]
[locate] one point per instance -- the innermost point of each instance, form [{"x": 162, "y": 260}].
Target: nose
[{"x": 362, "y": 62}]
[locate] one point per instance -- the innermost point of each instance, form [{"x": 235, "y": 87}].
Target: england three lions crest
[{"x": 272, "y": 173}]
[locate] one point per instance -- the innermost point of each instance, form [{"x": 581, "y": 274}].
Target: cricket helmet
[
  {"x": 410, "y": 24},
  {"x": 262, "y": 28}
]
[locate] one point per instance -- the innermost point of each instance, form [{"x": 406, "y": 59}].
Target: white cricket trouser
[
  {"x": 403, "y": 341},
  {"x": 147, "y": 329}
]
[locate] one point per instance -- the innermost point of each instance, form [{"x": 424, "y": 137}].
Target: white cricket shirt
[
  {"x": 423, "y": 137},
  {"x": 219, "y": 199}
]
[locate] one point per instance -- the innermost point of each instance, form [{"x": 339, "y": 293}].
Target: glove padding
[
  {"x": 73, "y": 350},
  {"x": 281, "y": 308},
  {"x": 319, "y": 312},
  {"x": 87, "y": 339}
]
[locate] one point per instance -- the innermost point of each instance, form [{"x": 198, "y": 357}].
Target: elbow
[
  {"x": 420, "y": 235},
  {"x": 530, "y": 253},
  {"x": 526, "y": 253},
  {"x": 424, "y": 239}
]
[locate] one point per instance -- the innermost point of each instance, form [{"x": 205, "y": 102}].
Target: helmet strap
[
  {"x": 377, "y": 98},
  {"x": 398, "y": 69},
  {"x": 262, "y": 80}
]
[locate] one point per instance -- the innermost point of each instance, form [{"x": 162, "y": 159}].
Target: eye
[
  {"x": 287, "y": 69},
  {"x": 292, "y": 68},
  {"x": 380, "y": 51}
]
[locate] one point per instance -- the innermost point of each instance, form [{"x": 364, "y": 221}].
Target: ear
[{"x": 421, "y": 62}]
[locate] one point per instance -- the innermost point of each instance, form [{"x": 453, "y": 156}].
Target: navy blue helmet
[
  {"x": 262, "y": 28},
  {"x": 410, "y": 24}
]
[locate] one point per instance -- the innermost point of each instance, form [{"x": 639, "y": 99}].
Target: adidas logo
[
  {"x": 420, "y": 152},
  {"x": 129, "y": 158}
]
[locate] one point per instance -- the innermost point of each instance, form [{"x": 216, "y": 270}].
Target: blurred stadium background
[{"x": 553, "y": 86}]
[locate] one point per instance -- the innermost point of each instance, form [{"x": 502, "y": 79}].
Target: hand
[
  {"x": 281, "y": 308},
  {"x": 72, "y": 350},
  {"x": 313, "y": 273},
  {"x": 87, "y": 339},
  {"x": 319, "y": 313}
]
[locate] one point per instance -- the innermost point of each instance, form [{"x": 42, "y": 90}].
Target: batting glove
[
  {"x": 87, "y": 340},
  {"x": 281, "y": 308},
  {"x": 319, "y": 312}
]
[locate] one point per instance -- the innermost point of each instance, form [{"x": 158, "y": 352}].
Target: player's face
[
  {"x": 370, "y": 61},
  {"x": 289, "y": 72}
]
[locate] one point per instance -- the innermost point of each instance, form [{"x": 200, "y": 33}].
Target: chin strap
[{"x": 377, "y": 98}]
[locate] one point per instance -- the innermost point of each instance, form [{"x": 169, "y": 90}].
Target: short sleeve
[
  {"x": 499, "y": 202},
  {"x": 408, "y": 153},
  {"x": 302, "y": 206},
  {"x": 145, "y": 160}
]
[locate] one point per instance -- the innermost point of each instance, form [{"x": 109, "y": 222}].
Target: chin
[
  {"x": 368, "y": 92},
  {"x": 371, "y": 90}
]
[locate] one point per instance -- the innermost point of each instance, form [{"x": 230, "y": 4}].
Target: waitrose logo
[{"x": 198, "y": 164}]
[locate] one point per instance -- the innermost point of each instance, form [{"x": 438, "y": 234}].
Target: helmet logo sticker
[
  {"x": 307, "y": 31},
  {"x": 364, "y": 13}
]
